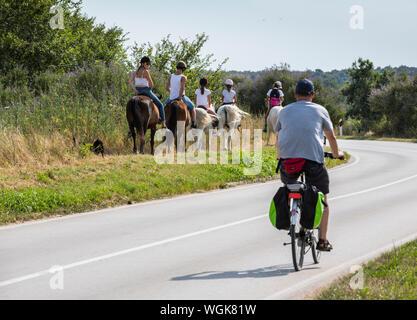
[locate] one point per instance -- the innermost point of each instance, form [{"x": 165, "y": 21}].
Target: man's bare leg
[{"x": 324, "y": 221}]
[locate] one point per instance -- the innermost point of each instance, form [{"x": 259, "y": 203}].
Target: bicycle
[{"x": 302, "y": 240}]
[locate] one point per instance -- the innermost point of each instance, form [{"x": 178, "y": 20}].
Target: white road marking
[{"x": 189, "y": 235}]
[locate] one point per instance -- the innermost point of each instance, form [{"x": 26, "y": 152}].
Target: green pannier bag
[
  {"x": 312, "y": 208},
  {"x": 279, "y": 212}
]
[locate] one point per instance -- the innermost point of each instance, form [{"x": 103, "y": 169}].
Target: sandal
[{"x": 324, "y": 245}]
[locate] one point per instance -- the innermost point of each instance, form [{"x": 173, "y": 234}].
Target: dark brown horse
[
  {"x": 142, "y": 114},
  {"x": 176, "y": 111}
]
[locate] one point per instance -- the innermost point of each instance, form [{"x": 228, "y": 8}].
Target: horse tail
[
  {"x": 136, "y": 116},
  {"x": 172, "y": 122}
]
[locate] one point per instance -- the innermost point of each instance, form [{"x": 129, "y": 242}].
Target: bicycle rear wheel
[{"x": 297, "y": 246}]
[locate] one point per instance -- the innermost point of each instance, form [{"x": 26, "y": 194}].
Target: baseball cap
[
  {"x": 278, "y": 83},
  {"x": 304, "y": 87}
]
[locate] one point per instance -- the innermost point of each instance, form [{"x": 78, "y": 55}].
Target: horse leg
[
  {"x": 153, "y": 131},
  {"x": 269, "y": 136},
  {"x": 133, "y": 134},
  {"x": 142, "y": 139}
]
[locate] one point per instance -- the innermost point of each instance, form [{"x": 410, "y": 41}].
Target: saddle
[{"x": 202, "y": 107}]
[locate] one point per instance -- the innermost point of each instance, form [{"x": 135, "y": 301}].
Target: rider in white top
[
  {"x": 203, "y": 97},
  {"x": 176, "y": 88},
  {"x": 229, "y": 95},
  {"x": 141, "y": 83}
]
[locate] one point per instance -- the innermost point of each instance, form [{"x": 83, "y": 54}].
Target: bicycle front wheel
[{"x": 297, "y": 247}]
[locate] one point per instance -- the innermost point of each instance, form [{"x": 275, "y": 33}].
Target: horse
[
  {"x": 229, "y": 118},
  {"x": 175, "y": 111},
  {"x": 272, "y": 120},
  {"x": 142, "y": 114},
  {"x": 204, "y": 122}
]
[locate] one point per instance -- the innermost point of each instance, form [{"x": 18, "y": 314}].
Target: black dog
[{"x": 98, "y": 147}]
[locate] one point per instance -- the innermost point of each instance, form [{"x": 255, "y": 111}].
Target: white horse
[
  {"x": 204, "y": 122},
  {"x": 272, "y": 120},
  {"x": 230, "y": 117}
]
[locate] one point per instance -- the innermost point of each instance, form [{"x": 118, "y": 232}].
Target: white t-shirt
[
  {"x": 229, "y": 96},
  {"x": 202, "y": 99},
  {"x": 175, "y": 86}
]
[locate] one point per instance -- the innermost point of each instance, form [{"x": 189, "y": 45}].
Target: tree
[
  {"x": 165, "y": 55},
  {"x": 363, "y": 79},
  {"x": 27, "y": 39},
  {"x": 397, "y": 102}
]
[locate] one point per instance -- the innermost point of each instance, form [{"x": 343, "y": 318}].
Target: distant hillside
[{"x": 334, "y": 78}]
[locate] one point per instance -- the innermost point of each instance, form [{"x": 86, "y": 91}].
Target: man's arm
[
  {"x": 333, "y": 144},
  {"x": 277, "y": 146}
]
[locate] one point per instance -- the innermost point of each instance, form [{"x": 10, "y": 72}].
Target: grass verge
[
  {"x": 393, "y": 276},
  {"x": 377, "y": 138},
  {"x": 95, "y": 183}
]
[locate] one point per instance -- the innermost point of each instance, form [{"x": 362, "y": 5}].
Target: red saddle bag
[{"x": 294, "y": 165}]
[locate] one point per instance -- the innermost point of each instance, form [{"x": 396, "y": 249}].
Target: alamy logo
[
  {"x": 57, "y": 21},
  {"x": 57, "y": 280},
  {"x": 357, "y": 21},
  {"x": 357, "y": 281}
]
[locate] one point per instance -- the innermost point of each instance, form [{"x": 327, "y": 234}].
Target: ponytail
[{"x": 203, "y": 84}]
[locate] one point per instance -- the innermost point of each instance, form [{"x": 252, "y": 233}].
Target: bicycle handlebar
[{"x": 330, "y": 155}]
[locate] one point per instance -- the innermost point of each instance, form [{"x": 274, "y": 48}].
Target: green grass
[
  {"x": 375, "y": 138},
  {"x": 393, "y": 276},
  {"x": 95, "y": 183}
]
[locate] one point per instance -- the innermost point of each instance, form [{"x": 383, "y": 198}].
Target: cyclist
[
  {"x": 176, "y": 88},
  {"x": 274, "y": 98},
  {"x": 300, "y": 128}
]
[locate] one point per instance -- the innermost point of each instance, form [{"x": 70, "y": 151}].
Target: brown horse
[
  {"x": 176, "y": 111},
  {"x": 142, "y": 114}
]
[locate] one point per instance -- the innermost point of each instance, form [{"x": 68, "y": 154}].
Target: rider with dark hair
[
  {"x": 176, "y": 88},
  {"x": 203, "y": 97},
  {"x": 141, "y": 82}
]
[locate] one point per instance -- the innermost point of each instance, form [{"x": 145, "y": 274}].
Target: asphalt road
[{"x": 216, "y": 245}]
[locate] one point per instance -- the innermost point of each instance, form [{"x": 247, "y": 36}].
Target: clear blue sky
[{"x": 255, "y": 34}]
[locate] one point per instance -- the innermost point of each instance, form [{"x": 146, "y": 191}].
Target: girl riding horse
[{"x": 143, "y": 85}]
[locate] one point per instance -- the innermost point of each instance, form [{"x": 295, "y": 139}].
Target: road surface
[{"x": 216, "y": 245}]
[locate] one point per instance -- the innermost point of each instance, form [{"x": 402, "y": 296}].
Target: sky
[{"x": 257, "y": 34}]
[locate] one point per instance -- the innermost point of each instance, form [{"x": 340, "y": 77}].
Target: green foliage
[
  {"x": 252, "y": 93},
  {"x": 363, "y": 79},
  {"x": 85, "y": 104},
  {"x": 165, "y": 55},
  {"x": 28, "y": 42},
  {"x": 398, "y": 104}
]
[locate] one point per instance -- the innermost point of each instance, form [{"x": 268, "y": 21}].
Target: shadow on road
[{"x": 269, "y": 272}]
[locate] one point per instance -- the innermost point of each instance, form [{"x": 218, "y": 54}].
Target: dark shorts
[{"x": 316, "y": 175}]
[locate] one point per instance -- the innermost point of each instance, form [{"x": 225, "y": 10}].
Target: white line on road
[{"x": 189, "y": 235}]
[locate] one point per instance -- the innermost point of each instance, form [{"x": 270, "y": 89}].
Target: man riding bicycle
[{"x": 300, "y": 128}]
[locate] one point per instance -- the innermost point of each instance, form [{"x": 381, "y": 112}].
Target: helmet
[
  {"x": 181, "y": 65},
  {"x": 229, "y": 82}
]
